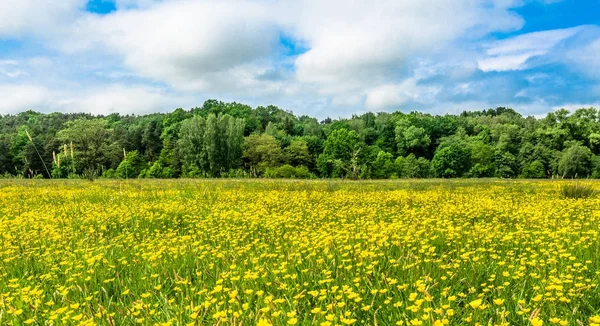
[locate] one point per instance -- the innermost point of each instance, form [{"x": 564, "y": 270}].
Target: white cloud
[
  {"x": 108, "y": 99},
  {"x": 160, "y": 54},
  {"x": 225, "y": 46},
  {"x": 574, "y": 106},
  {"x": 586, "y": 58},
  {"x": 17, "y": 98},
  {"x": 22, "y": 17},
  {"x": 192, "y": 45},
  {"x": 386, "y": 96},
  {"x": 356, "y": 43},
  {"x": 513, "y": 53},
  {"x": 127, "y": 99},
  {"x": 394, "y": 95}
]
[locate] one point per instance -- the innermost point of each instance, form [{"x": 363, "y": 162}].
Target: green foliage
[
  {"x": 211, "y": 146},
  {"x": 534, "y": 170},
  {"x": 577, "y": 190},
  {"x": 90, "y": 174},
  {"x": 452, "y": 158},
  {"x": 482, "y": 158},
  {"x": 110, "y": 174},
  {"x": 131, "y": 166},
  {"x": 297, "y": 153},
  {"x": 157, "y": 171},
  {"x": 595, "y": 166},
  {"x": 262, "y": 152},
  {"x": 219, "y": 137},
  {"x": 411, "y": 139},
  {"x": 289, "y": 172},
  {"x": 383, "y": 167},
  {"x": 342, "y": 154},
  {"x": 62, "y": 166},
  {"x": 412, "y": 167},
  {"x": 92, "y": 143},
  {"x": 506, "y": 164},
  {"x": 575, "y": 162}
]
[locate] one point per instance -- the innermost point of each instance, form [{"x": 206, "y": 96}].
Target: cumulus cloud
[
  {"x": 198, "y": 46},
  {"x": 347, "y": 55},
  {"x": 227, "y": 46},
  {"x": 20, "y": 18}
]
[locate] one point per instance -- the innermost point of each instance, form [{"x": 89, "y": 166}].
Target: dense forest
[{"x": 234, "y": 140}]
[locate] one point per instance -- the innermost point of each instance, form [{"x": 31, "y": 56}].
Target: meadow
[{"x": 265, "y": 252}]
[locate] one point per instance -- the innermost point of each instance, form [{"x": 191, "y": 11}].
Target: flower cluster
[{"x": 297, "y": 253}]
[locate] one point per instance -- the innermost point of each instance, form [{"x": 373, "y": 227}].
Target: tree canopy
[{"x": 235, "y": 140}]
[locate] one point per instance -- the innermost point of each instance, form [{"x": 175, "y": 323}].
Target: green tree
[
  {"x": 383, "y": 166},
  {"x": 191, "y": 145},
  {"x": 534, "y": 170},
  {"x": 262, "y": 152},
  {"x": 342, "y": 154},
  {"x": 506, "y": 164},
  {"x": 211, "y": 146},
  {"x": 411, "y": 139},
  {"x": 575, "y": 162},
  {"x": 91, "y": 139},
  {"x": 452, "y": 159},
  {"x": 482, "y": 159},
  {"x": 131, "y": 166},
  {"x": 297, "y": 153},
  {"x": 413, "y": 167}
]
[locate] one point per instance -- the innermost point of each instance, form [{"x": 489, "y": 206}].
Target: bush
[
  {"x": 131, "y": 166},
  {"x": 534, "y": 170},
  {"x": 481, "y": 171},
  {"x": 287, "y": 171},
  {"x": 413, "y": 167},
  {"x": 109, "y": 174},
  {"x": 577, "y": 190}
]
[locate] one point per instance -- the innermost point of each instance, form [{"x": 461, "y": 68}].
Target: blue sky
[{"x": 323, "y": 58}]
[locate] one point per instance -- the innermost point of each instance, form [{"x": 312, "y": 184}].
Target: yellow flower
[
  {"x": 475, "y": 303},
  {"x": 264, "y": 322},
  {"x": 536, "y": 322},
  {"x": 292, "y": 321}
]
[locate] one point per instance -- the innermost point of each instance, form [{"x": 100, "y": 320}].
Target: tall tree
[{"x": 92, "y": 144}]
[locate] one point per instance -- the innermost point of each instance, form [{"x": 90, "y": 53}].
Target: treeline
[{"x": 234, "y": 140}]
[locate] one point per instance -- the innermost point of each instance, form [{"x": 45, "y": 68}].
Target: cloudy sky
[{"x": 317, "y": 57}]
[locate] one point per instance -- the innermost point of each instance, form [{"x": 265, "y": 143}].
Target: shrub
[
  {"x": 534, "y": 170},
  {"x": 131, "y": 166},
  {"x": 287, "y": 171},
  {"x": 109, "y": 174}
]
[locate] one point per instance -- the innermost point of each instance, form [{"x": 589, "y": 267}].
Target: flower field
[{"x": 223, "y": 252}]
